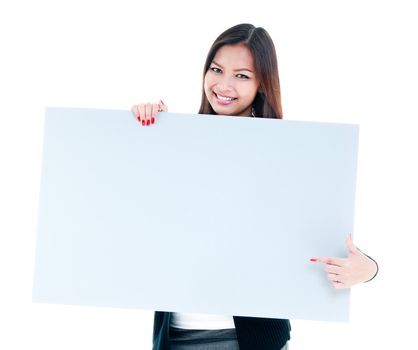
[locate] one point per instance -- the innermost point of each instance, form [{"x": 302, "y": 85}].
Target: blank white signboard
[{"x": 196, "y": 213}]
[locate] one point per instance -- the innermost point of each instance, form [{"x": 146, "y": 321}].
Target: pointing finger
[{"x": 332, "y": 261}]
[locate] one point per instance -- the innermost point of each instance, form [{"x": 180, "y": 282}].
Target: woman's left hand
[{"x": 346, "y": 272}]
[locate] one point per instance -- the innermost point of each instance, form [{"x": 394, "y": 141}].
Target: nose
[{"x": 225, "y": 85}]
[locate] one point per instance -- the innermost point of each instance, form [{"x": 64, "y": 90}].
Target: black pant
[{"x": 191, "y": 339}]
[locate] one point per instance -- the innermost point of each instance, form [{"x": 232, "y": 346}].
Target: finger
[
  {"x": 350, "y": 245},
  {"x": 334, "y": 278},
  {"x": 141, "y": 111},
  {"x": 135, "y": 111},
  {"x": 148, "y": 113},
  {"x": 339, "y": 285},
  {"x": 332, "y": 261},
  {"x": 333, "y": 269},
  {"x": 155, "y": 108},
  {"x": 163, "y": 106}
]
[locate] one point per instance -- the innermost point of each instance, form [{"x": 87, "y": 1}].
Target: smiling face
[{"x": 230, "y": 82}]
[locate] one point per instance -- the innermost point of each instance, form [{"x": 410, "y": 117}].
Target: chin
[
  {"x": 220, "y": 112},
  {"x": 224, "y": 111}
]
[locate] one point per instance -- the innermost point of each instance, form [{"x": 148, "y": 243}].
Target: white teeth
[{"x": 225, "y": 98}]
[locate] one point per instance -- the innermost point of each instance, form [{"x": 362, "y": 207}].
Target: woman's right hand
[{"x": 146, "y": 113}]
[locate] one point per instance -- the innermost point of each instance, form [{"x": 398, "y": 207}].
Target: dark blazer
[{"x": 252, "y": 332}]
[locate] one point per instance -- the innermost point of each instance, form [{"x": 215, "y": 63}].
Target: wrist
[{"x": 376, "y": 268}]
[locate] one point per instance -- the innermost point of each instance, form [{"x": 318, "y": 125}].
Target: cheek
[
  {"x": 207, "y": 85},
  {"x": 251, "y": 91}
]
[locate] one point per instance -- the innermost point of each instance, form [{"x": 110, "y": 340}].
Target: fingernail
[
  {"x": 143, "y": 122},
  {"x": 139, "y": 119},
  {"x": 152, "y": 120},
  {"x": 313, "y": 259},
  {"x": 148, "y": 122}
]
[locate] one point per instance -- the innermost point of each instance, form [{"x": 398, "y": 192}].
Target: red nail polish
[
  {"x": 152, "y": 120},
  {"x": 143, "y": 122},
  {"x": 314, "y": 260},
  {"x": 148, "y": 122},
  {"x": 139, "y": 119}
]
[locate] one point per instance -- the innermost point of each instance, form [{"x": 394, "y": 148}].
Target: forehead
[{"x": 235, "y": 56}]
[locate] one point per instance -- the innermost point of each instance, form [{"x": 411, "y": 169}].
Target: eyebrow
[{"x": 235, "y": 70}]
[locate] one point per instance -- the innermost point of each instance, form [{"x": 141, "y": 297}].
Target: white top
[{"x": 201, "y": 321}]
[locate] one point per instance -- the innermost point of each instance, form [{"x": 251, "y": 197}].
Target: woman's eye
[
  {"x": 216, "y": 70},
  {"x": 243, "y": 76}
]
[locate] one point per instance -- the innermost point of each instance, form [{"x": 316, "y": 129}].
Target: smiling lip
[{"x": 224, "y": 100}]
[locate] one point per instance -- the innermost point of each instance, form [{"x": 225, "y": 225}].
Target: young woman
[{"x": 240, "y": 78}]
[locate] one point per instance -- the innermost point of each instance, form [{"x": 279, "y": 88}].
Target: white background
[{"x": 339, "y": 61}]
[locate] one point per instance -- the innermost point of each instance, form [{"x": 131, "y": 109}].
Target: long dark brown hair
[{"x": 267, "y": 102}]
